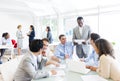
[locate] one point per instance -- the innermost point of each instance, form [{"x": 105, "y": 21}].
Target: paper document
[
  {"x": 60, "y": 73},
  {"x": 62, "y": 66},
  {"x": 92, "y": 78},
  {"x": 79, "y": 41}
]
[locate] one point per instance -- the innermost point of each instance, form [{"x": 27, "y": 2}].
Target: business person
[
  {"x": 49, "y": 34},
  {"x": 31, "y": 33},
  {"x": 108, "y": 67},
  {"x": 64, "y": 50},
  {"x": 5, "y": 40},
  {"x": 81, "y": 32},
  {"x": 48, "y": 53},
  {"x": 46, "y": 50},
  {"x": 31, "y": 63},
  {"x": 92, "y": 59},
  {"x": 20, "y": 37}
]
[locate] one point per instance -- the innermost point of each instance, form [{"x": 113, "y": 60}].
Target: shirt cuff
[{"x": 50, "y": 74}]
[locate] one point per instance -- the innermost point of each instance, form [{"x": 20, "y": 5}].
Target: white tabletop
[{"x": 69, "y": 76}]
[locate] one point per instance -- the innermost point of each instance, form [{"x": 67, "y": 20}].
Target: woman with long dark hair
[
  {"x": 31, "y": 33},
  {"x": 49, "y": 34},
  {"x": 108, "y": 67}
]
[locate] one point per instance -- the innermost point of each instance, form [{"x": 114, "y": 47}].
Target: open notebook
[{"x": 77, "y": 66}]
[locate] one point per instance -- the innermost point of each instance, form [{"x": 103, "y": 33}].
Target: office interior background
[{"x": 103, "y": 16}]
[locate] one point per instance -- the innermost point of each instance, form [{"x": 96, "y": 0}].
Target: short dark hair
[
  {"x": 94, "y": 36},
  {"x": 5, "y": 34},
  {"x": 36, "y": 45},
  {"x": 79, "y": 18},
  {"x": 60, "y": 36},
  {"x": 45, "y": 39},
  {"x": 104, "y": 47},
  {"x": 48, "y": 28}
]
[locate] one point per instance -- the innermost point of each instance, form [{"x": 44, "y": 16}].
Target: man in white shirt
[{"x": 5, "y": 40}]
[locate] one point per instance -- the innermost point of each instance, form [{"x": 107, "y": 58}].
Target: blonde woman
[{"x": 20, "y": 37}]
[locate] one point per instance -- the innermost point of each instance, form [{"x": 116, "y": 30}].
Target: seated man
[
  {"x": 32, "y": 63},
  {"x": 64, "y": 50},
  {"x": 47, "y": 53},
  {"x": 5, "y": 40},
  {"x": 92, "y": 59}
]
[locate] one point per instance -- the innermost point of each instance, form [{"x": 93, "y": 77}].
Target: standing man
[{"x": 81, "y": 32}]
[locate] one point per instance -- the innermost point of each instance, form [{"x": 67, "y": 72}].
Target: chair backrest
[
  {"x": 9, "y": 68},
  {"x": 14, "y": 43}
]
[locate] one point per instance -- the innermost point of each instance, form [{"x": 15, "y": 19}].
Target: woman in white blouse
[
  {"x": 20, "y": 37},
  {"x": 108, "y": 66}
]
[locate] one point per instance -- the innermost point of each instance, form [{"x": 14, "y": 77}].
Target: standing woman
[
  {"x": 19, "y": 36},
  {"x": 31, "y": 33},
  {"x": 49, "y": 34}
]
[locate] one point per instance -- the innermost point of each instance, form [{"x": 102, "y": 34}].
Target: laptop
[{"x": 77, "y": 66}]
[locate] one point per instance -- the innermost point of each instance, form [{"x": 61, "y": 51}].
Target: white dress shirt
[
  {"x": 80, "y": 30},
  {"x": 4, "y": 41}
]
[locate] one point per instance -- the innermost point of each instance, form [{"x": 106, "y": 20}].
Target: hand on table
[{"x": 53, "y": 72}]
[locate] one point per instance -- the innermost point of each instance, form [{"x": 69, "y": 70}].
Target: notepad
[
  {"x": 92, "y": 78},
  {"x": 77, "y": 66}
]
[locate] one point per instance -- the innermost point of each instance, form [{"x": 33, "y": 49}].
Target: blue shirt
[
  {"x": 61, "y": 50},
  {"x": 92, "y": 59}
]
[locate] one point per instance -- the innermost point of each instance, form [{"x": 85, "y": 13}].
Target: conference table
[{"x": 69, "y": 76}]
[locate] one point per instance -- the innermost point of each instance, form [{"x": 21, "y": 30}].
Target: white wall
[{"x": 9, "y": 23}]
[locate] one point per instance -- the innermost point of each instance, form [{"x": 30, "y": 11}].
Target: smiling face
[
  {"x": 45, "y": 45},
  {"x": 80, "y": 22},
  {"x": 63, "y": 40}
]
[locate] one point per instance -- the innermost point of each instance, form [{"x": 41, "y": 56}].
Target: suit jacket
[
  {"x": 32, "y": 35},
  {"x": 27, "y": 69},
  {"x": 85, "y": 36}
]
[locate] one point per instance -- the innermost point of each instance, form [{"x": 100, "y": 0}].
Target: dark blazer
[
  {"x": 49, "y": 37},
  {"x": 31, "y": 36}
]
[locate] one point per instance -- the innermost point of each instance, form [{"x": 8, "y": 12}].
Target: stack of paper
[
  {"x": 60, "y": 73},
  {"x": 79, "y": 41},
  {"x": 92, "y": 78}
]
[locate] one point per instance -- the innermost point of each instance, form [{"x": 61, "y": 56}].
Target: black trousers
[{"x": 2, "y": 52}]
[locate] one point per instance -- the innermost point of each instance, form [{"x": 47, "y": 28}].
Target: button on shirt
[
  {"x": 61, "y": 50},
  {"x": 80, "y": 30}
]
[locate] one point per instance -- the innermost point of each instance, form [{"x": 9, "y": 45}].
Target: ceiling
[{"x": 49, "y": 7}]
